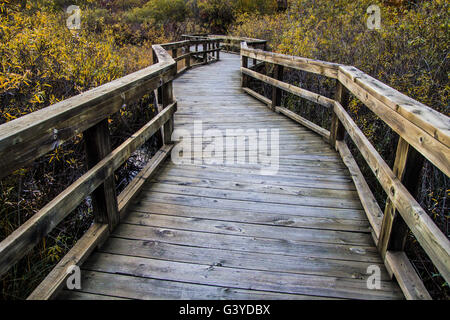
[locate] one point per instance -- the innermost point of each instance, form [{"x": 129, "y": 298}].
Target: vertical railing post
[
  {"x": 277, "y": 92},
  {"x": 104, "y": 198},
  {"x": 205, "y": 54},
  {"x": 174, "y": 52},
  {"x": 188, "y": 57},
  {"x": 244, "y": 78},
  {"x": 218, "y": 50},
  {"x": 174, "y": 56},
  {"x": 337, "y": 130},
  {"x": 157, "y": 103},
  {"x": 157, "y": 91},
  {"x": 407, "y": 166},
  {"x": 167, "y": 99}
]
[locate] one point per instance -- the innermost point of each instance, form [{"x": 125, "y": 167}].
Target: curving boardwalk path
[{"x": 227, "y": 230}]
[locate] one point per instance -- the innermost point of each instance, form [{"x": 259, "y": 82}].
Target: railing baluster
[
  {"x": 167, "y": 99},
  {"x": 188, "y": 57},
  {"x": 244, "y": 77},
  {"x": 218, "y": 50},
  {"x": 407, "y": 166},
  {"x": 277, "y": 92},
  {"x": 104, "y": 198},
  {"x": 337, "y": 130},
  {"x": 174, "y": 53},
  {"x": 205, "y": 54}
]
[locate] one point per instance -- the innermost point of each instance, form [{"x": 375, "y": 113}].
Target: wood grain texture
[
  {"x": 33, "y": 135},
  {"x": 433, "y": 241},
  {"x": 18, "y": 243},
  {"x": 308, "y": 95},
  {"x": 368, "y": 201},
  {"x": 426, "y": 133},
  {"x": 224, "y": 230}
]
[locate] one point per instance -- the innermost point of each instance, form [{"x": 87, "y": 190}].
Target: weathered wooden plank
[
  {"x": 436, "y": 124},
  {"x": 248, "y": 244},
  {"x": 292, "y": 155},
  {"x": 104, "y": 198},
  {"x": 321, "y": 212},
  {"x": 52, "y": 284},
  {"x": 315, "y": 174},
  {"x": 240, "y": 278},
  {"x": 257, "y": 178},
  {"x": 265, "y": 218},
  {"x": 368, "y": 201},
  {"x": 175, "y": 45},
  {"x": 257, "y": 96},
  {"x": 308, "y": 95},
  {"x": 242, "y": 260},
  {"x": 433, "y": 241},
  {"x": 407, "y": 166},
  {"x": 153, "y": 289},
  {"x": 416, "y": 134},
  {"x": 56, "y": 279},
  {"x": 33, "y": 135},
  {"x": 18, "y": 243},
  {"x": 337, "y": 130},
  {"x": 211, "y": 182},
  {"x": 249, "y": 230},
  {"x": 254, "y": 196},
  {"x": 315, "y": 66},
  {"x": 305, "y": 122},
  {"x": 399, "y": 265}
]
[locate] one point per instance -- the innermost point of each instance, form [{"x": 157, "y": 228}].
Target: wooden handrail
[
  {"x": 27, "y": 138},
  {"x": 418, "y": 126}
]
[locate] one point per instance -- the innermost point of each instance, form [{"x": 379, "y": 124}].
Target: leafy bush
[
  {"x": 216, "y": 15},
  {"x": 160, "y": 11},
  {"x": 42, "y": 62},
  {"x": 256, "y": 6}
]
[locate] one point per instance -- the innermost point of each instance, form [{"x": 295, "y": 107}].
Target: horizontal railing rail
[
  {"x": 423, "y": 132},
  {"x": 229, "y": 43},
  {"x": 32, "y": 136}
]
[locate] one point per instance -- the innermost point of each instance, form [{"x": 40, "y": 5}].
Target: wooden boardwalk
[{"x": 227, "y": 231}]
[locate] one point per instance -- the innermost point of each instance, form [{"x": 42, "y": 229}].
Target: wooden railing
[
  {"x": 210, "y": 51},
  {"x": 423, "y": 133},
  {"x": 27, "y": 138},
  {"x": 229, "y": 43}
]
